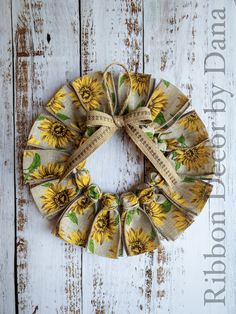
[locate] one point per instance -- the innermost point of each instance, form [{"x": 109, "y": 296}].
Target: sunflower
[
  {"x": 192, "y": 123},
  {"x": 171, "y": 143},
  {"x": 58, "y": 231},
  {"x": 74, "y": 98},
  {"x": 193, "y": 158},
  {"x": 81, "y": 205},
  {"x": 56, "y": 103},
  {"x": 182, "y": 99},
  {"x": 50, "y": 170},
  {"x": 78, "y": 238},
  {"x": 104, "y": 227},
  {"x": 178, "y": 199},
  {"x": 139, "y": 242},
  {"x": 90, "y": 90},
  {"x": 181, "y": 220},
  {"x": 156, "y": 180},
  {"x": 110, "y": 200},
  {"x": 129, "y": 200},
  {"x": 82, "y": 178},
  {"x": 157, "y": 102},
  {"x": 55, "y": 133},
  {"x": 147, "y": 195},
  {"x": 28, "y": 153},
  {"x": 56, "y": 197},
  {"x": 140, "y": 83},
  {"x": 33, "y": 141},
  {"x": 112, "y": 253},
  {"x": 201, "y": 193},
  {"x": 154, "y": 209}
]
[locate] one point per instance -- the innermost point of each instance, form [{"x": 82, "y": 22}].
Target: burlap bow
[{"x": 131, "y": 122}]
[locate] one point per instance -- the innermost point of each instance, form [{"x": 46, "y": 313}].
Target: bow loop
[{"x": 132, "y": 123}]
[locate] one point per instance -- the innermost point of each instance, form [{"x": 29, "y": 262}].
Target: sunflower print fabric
[{"x": 134, "y": 222}]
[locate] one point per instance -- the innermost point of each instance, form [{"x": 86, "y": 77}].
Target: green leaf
[
  {"x": 89, "y": 131},
  {"x": 72, "y": 216},
  {"x": 121, "y": 251},
  {"x": 166, "y": 206},
  {"x": 129, "y": 217},
  {"x": 91, "y": 246},
  {"x": 141, "y": 104},
  {"x": 176, "y": 117},
  {"x": 177, "y": 165},
  {"x": 47, "y": 184},
  {"x": 122, "y": 79},
  {"x": 174, "y": 154},
  {"x": 40, "y": 118},
  {"x": 26, "y": 177},
  {"x": 153, "y": 234},
  {"x": 181, "y": 140},
  {"x": 35, "y": 163},
  {"x": 149, "y": 134},
  {"x": 117, "y": 220},
  {"x": 93, "y": 193},
  {"x": 160, "y": 119},
  {"x": 188, "y": 179},
  {"x": 62, "y": 116},
  {"x": 167, "y": 84},
  {"x": 113, "y": 98}
]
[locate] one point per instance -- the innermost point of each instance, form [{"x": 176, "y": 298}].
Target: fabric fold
[
  {"x": 105, "y": 235},
  {"x": 80, "y": 117},
  {"x": 75, "y": 223},
  {"x": 139, "y": 235}
]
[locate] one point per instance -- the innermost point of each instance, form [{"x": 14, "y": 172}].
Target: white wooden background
[{"x": 44, "y": 43}]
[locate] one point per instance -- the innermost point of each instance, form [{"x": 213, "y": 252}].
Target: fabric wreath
[{"x": 82, "y": 116}]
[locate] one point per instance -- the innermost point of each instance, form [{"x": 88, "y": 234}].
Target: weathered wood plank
[
  {"x": 53, "y": 277},
  {"x": 7, "y": 186},
  {"x": 112, "y": 31},
  {"x": 47, "y": 54},
  {"x": 178, "y": 37}
]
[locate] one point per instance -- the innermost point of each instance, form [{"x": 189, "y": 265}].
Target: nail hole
[{"x": 48, "y": 38}]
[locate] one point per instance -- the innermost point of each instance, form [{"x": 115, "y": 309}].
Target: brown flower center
[
  {"x": 103, "y": 223},
  {"x": 191, "y": 154},
  {"x": 84, "y": 202},
  {"x": 86, "y": 94},
  {"x": 58, "y": 129},
  {"x": 141, "y": 79},
  {"x": 61, "y": 198},
  {"x": 137, "y": 246}
]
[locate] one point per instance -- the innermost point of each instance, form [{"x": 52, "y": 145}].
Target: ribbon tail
[
  {"x": 98, "y": 138},
  {"x": 153, "y": 153}
]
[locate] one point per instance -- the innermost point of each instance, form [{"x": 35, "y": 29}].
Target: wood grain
[
  {"x": 47, "y": 54},
  {"x": 46, "y": 43},
  {"x": 7, "y": 185},
  {"x": 112, "y": 31}
]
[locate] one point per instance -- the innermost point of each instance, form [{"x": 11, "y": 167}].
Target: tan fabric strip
[
  {"x": 153, "y": 153},
  {"x": 139, "y": 116},
  {"x": 131, "y": 123},
  {"x": 98, "y": 118}
]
